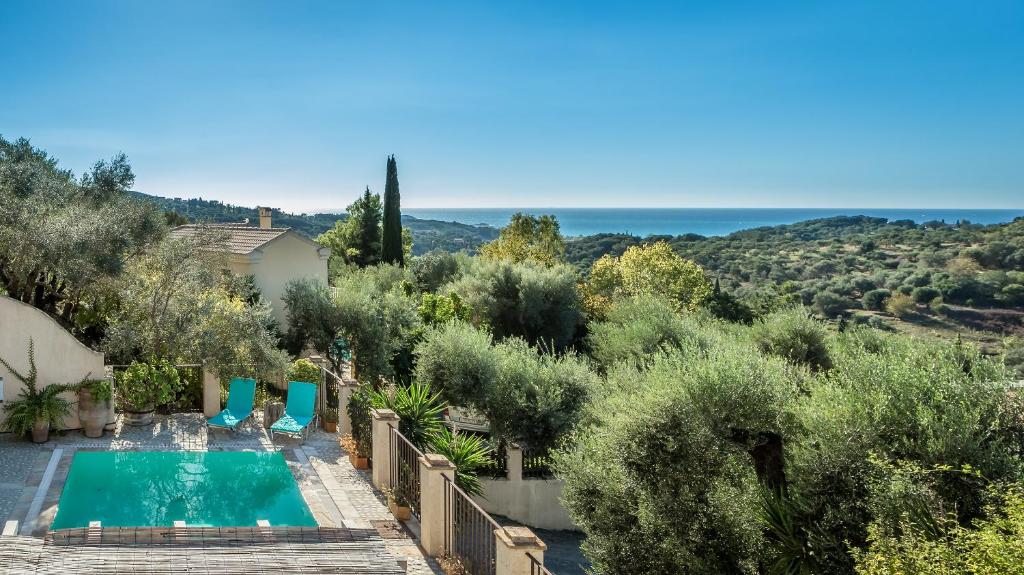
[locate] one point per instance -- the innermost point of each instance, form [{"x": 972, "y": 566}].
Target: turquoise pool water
[{"x": 157, "y": 488}]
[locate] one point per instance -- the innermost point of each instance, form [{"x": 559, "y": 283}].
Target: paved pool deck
[{"x": 32, "y": 476}]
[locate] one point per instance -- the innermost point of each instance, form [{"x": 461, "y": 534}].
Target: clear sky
[{"x": 528, "y": 104}]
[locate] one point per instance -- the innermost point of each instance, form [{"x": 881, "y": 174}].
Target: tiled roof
[{"x": 239, "y": 239}]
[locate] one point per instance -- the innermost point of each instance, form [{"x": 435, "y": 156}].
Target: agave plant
[
  {"x": 418, "y": 409},
  {"x": 467, "y": 452},
  {"x": 34, "y": 405}
]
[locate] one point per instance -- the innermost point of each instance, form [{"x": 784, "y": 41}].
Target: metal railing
[
  {"x": 536, "y": 567},
  {"x": 469, "y": 531},
  {"x": 405, "y": 470},
  {"x": 329, "y": 391},
  {"x": 537, "y": 464}
]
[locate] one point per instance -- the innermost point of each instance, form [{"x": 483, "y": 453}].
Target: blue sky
[{"x": 716, "y": 104}]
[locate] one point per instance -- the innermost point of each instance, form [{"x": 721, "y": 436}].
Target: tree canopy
[{"x": 528, "y": 239}]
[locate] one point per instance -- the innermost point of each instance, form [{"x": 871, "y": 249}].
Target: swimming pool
[{"x": 157, "y": 488}]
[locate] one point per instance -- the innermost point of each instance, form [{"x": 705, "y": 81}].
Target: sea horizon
[{"x": 703, "y": 221}]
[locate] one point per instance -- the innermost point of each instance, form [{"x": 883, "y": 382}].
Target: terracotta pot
[
  {"x": 358, "y": 462},
  {"x": 139, "y": 417},
  {"x": 92, "y": 413},
  {"x": 41, "y": 431},
  {"x": 401, "y": 512},
  {"x": 330, "y": 426}
]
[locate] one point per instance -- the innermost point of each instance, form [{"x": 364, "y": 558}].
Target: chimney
[{"x": 265, "y": 214}]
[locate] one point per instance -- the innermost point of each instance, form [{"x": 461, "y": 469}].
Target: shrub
[
  {"x": 303, "y": 370},
  {"x": 535, "y": 302},
  {"x": 875, "y": 299},
  {"x": 830, "y": 304},
  {"x": 635, "y": 330},
  {"x": 794, "y": 336},
  {"x": 661, "y": 477},
  {"x": 434, "y": 269},
  {"x": 418, "y": 408},
  {"x": 994, "y": 545},
  {"x": 359, "y": 405},
  {"x": 33, "y": 404},
  {"x": 459, "y": 361},
  {"x": 469, "y": 453},
  {"x": 901, "y": 305},
  {"x": 925, "y": 294},
  {"x": 143, "y": 386},
  {"x": 933, "y": 405}
]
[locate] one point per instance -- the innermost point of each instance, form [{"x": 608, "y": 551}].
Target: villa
[{"x": 272, "y": 256}]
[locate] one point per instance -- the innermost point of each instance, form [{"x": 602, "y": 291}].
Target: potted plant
[
  {"x": 329, "y": 419},
  {"x": 350, "y": 445},
  {"x": 94, "y": 398},
  {"x": 35, "y": 410},
  {"x": 399, "y": 503},
  {"x": 360, "y": 446},
  {"x": 143, "y": 386}
]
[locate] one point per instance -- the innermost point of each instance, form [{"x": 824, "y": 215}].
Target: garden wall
[
  {"x": 60, "y": 358},
  {"x": 533, "y": 502}
]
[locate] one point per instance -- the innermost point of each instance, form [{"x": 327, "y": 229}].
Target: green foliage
[
  {"x": 830, "y": 304},
  {"x": 313, "y": 320},
  {"x": 1013, "y": 355},
  {"x": 359, "y": 405},
  {"x": 357, "y": 239},
  {"x": 537, "y": 303},
  {"x": 143, "y": 386},
  {"x": 457, "y": 360},
  {"x": 379, "y": 320},
  {"x": 636, "y": 329},
  {"x": 177, "y": 304},
  {"x": 875, "y": 299},
  {"x": 925, "y": 294},
  {"x": 64, "y": 241},
  {"x": 528, "y": 238},
  {"x": 392, "y": 249},
  {"x": 529, "y": 398},
  {"x": 100, "y": 389},
  {"x": 418, "y": 408},
  {"x": 993, "y": 545},
  {"x": 648, "y": 269},
  {"x": 303, "y": 370},
  {"x": 34, "y": 404},
  {"x": 794, "y": 336},
  {"x": 660, "y": 478},
  {"x": 434, "y": 270},
  {"x": 468, "y": 453},
  {"x": 901, "y": 305},
  {"x": 441, "y": 309},
  {"x": 896, "y": 399}
]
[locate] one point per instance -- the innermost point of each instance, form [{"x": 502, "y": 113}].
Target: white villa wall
[
  {"x": 533, "y": 502},
  {"x": 280, "y": 261},
  {"x": 60, "y": 358}
]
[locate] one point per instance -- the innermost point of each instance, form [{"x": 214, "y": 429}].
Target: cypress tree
[{"x": 391, "y": 240}]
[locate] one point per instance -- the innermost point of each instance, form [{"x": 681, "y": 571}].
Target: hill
[
  {"x": 427, "y": 234},
  {"x": 958, "y": 278}
]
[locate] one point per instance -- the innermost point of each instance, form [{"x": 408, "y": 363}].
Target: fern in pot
[{"x": 36, "y": 410}]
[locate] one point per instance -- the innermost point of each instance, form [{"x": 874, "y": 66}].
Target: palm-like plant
[
  {"x": 467, "y": 452},
  {"x": 34, "y": 405},
  {"x": 419, "y": 410}
]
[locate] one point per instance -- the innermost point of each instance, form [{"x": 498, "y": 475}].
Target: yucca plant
[
  {"x": 35, "y": 406},
  {"x": 418, "y": 409},
  {"x": 467, "y": 452}
]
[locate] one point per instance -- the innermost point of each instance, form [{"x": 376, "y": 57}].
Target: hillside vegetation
[
  {"x": 427, "y": 234},
  {"x": 942, "y": 277}
]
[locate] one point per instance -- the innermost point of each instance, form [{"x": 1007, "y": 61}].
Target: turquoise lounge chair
[
  {"x": 241, "y": 396},
  {"x": 299, "y": 412}
]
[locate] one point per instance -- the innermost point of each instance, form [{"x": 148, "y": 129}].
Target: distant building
[{"x": 273, "y": 256}]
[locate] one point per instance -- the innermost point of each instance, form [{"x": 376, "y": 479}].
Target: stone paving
[{"x": 338, "y": 494}]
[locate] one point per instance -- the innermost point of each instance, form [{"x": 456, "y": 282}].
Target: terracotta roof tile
[{"x": 240, "y": 239}]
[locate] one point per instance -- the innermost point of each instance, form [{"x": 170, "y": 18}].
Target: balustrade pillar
[{"x": 381, "y": 451}]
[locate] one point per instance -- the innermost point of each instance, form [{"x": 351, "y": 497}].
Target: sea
[{"x": 704, "y": 221}]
